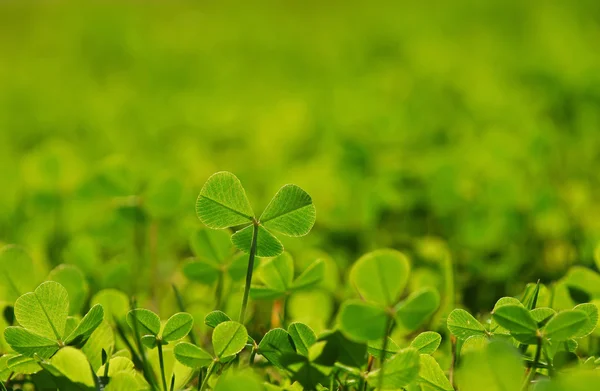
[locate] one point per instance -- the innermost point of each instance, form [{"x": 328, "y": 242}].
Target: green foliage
[
  {"x": 316, "y": 322},
  {"x": 228, "y": 339},
  {"x": 222, "y": 203}
]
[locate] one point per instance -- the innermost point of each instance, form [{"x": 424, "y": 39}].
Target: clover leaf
[{"x": 43, "y": 316}]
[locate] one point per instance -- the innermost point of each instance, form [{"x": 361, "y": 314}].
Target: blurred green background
[{"x": 467, "y": 125}]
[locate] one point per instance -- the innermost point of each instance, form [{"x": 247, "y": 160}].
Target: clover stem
[
  {"x": 388, "y": 326},
  {"x": 252, "y": 355},
  {"x": 219, "y": 289},
  {"x": 536, "y": 359},
  {"x": 249, "y": 272},
  {"x": 209, "y": 372},
  {"x": 162, "y": 365}
]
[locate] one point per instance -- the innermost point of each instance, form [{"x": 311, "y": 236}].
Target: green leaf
[
  {"x": 263, "y": 293},
  {"x": 362, "y": 321},
  {"x": 177, "y": 327},
  {"x": 431, "y": 375},
  {"x": 114, "y": 302},
  {"x": 17, "y": 273},
  {"x": 229, "y": 338},
  {"x": 28, "y": 344},
  {"x": 290, "y": 212},
  {"x": 340, "y": 349},
  {"x": 44, "y": 311},
  {"x": 592, "y": 313},
  {"x": 542, "y": 314},
  {"x": 380, "y": 276},
  {"x": 72, "y": 364},
  {"x": 204, "y": 271},
  {"x": 143, "y": 322},
  {"x": 267, "y": 245},
  {"x": 417, "y": 308},
  {"x": 210, "y": 245},
  {"x": 23, "y": 365},
  {"x": 517, "y": 320},
  {"x": 375, "y": 348},
  {"x": 222, "y": 202},
  {"x": 275, "y": 344},
  {"x": 73, "y": 280},
  {"x": 232, "y": 382},
  {"x": 149, "y": 341},
  {"x": 192, "y": 356},
  {"x": 463, "y": 325},
  {"x": 426, "y": 342},
  {"x": 302, "y": 336},
  {"x": 565, "y": 325},
  {"x": 496, "y": 367},
  {"x": 86, "y": 327},
  {"x": 116, "y": 365},
  {"x": 214, "y": 318},
  {"x": 278, "y": 273},
  {"x": 507, "y": 301},
  {"x": 474, "y": 343},
  {"x": 311, "y": 276},
  {"x": 399, "y": 371},
  {"x": 101, "y": 338}
]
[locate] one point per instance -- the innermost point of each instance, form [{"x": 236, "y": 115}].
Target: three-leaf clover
[
  {"x": 45, "y": 324},
  {"x": 222, "y": 203}
]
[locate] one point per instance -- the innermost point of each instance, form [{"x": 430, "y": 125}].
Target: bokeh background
[{"x": 468, "y": 127}]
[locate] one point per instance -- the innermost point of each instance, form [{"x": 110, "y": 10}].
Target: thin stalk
[
  {"x": 208, "y": 373},
  {"x": 252, "y": 355},
  {"x": 148, "y": 373},
  {"x": 200, "y": 377},
  {"x": 172, "y": 388},
  {"x": 249, "y": 272},
  {"x": 363, "y": 384},
  {"x": 219, "y": 289},
  {"x": 453, "y": 360},
  {"x": 388, "y": 327},
  {"x": 162, "y": 365},
  {"x": 536, "y": 360}
]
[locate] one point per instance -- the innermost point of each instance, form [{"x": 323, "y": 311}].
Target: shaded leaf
[
  {"x": 311, "y": 276},
  {"x": 380, "y": 276},
  {"x": 417, "y": 308},
  {"x": 17, "y": 271},
  {"x": 275, "y": 344},
  {"x": 518, "y": 321},
  {"x": 302, "y": 336},
  {"x": 267, "y": 245},
  {"x": 192, "y": 356},
  {"x": 361, "y": 321},
  {"x": 375, "y": 348},
  {"x": 431, "y": 375},
  {"x": 210, "y": 245},
  {"x": 214, "y": 318}
]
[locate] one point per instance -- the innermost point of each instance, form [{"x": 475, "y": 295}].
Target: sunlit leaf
[
  {"x": 426, "y": 342},
  {"x": 565, "y": 325},
  {"x": 229, "y": 338},
  {"x": 44, "y": 311},
  {"x": 177, "y": 327},
  {"x": 290, "y": 212},
  {"x": 431, "y": 375},
  {"x": 222, "y": 202},
  {"x": 73, "y": 280},
  {"x": 463, "y": 325},
  {"x": 143, "y": 322},
  {"x": 399, "y": 371}
]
